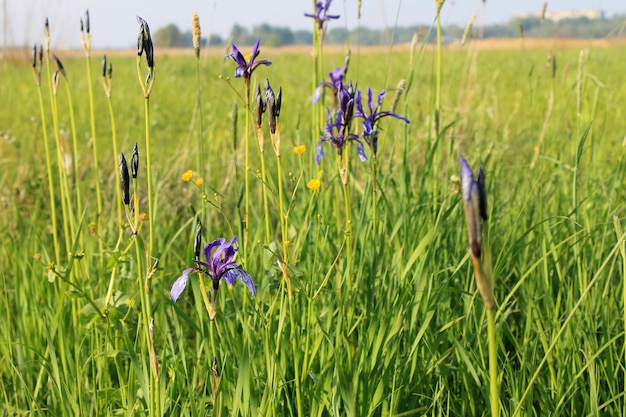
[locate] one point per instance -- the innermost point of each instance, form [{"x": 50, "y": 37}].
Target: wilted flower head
[
  {"x": 336, "y": 133},
  {"x": 370, "y": 134},
  {"x": 245, "y": 68},
  {"x": 321, "y": 14},
  {"x": 336, "y": 80},
  {"x": 219, "y": 265},
  {"x": 475, "y": 203}
]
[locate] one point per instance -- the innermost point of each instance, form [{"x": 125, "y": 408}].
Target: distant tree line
[{"x": 171, "y": 36}]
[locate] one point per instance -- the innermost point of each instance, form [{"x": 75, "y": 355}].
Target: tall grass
[{"x": 89, "y": 336}]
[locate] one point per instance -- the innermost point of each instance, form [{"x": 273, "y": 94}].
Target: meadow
[{"x": 366, "y": 300}]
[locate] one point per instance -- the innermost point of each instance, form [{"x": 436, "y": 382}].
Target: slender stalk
[
  {"x": 493, "y": 364},
  {"x": 268, "y": 235},
  {"x": 201, "y": 165},
  {"x": 92, "y": 119},
  {"x": 79, "y": 204},
  {"x": 438, "y": 82},
  {"x": 246, "y": 177},
  {"x": 149, "y": 175},
  {"x": 53, "y": 214},
  {"x": 118, "y": 193}
]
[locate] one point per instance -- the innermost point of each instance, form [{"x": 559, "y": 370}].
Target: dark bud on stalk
[
  {"x": 82, "y": 26},
  {"x": 124, "y": 180},
  {"x": 259, "y": 106},
  {"x": 110, "y": 70},
  {"x": 60, "y": 66},
  {"x": 46, "y": 29},
  {"x": 55, "y": 81},
  {"x": 144, "y": 42},
  {"x": 197, "y": 242},
  {"x": 482, "y": 194},
  {"x": 346, "y": 102},
  {"x": 104, "y": 66},
  {"x": 278, "y": 102},
  {"x": 270, "y": 103},
  {"x": 87, "y": 21},
  {"x": 40, "y": 54},
  {"x": 34, "y": 56},
  {"x": 134, "y": 161}
]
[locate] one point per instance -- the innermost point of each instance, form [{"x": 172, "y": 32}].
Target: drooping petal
[
  {"x": 319, "y": 152},
  {"x": 261, "y": 62},
  {"x": 231, "y": 275},
  {"x": 388, "y": 113},
  {"x": 360, "y": 150},
  {"x": 181, "y": 283}
]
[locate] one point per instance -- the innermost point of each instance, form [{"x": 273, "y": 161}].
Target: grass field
[{"x": 366, "y": 302}]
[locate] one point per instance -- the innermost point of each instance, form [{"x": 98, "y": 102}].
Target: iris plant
[
  {"x": 370, "y": 134},
  {"x": 321, "y": 13},
  {"x": 219, "y": 265},
  {"x": 336, "y": 133},
  {"x": 245, "y": 67}
]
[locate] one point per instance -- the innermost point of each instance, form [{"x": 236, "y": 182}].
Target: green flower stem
[
  {"x": 149, "y": 174},
  {"x": 92, "y": 119},
  {"x": 201, "y": 165},
  {"x": 438, "y": 82},
  {"x": 259, "y": 133},
  {"x": 62, "y": 177},
  {"x": 118, "y": 192},
  {"x": 374, "y": 166},
  {"x": 79, "y": 203},
  {"x": 296, "y": 353},
  {"x": 246, "y": 177},
  {"x": 493, "y": 364},
  {"x": 46, "y": 145}
]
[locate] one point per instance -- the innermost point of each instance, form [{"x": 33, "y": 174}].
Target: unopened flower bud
[
  {"x": 104, "y": 66},
  {"x": 124, "y": 179},
  {"x": 134, "y": 161},
  {"x": 259, "y": 106},
  {"x": 60, "y": 66},
  {"x": 197, "y": 242},
  {"x": 87, "y": 21}
]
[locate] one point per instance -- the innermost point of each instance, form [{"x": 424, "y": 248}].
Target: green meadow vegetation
[{"x": 366, "y": 302}]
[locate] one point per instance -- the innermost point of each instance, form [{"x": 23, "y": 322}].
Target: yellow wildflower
[
  {"x": 299, "y": 150},
  {"x": 314, "y": 184},
  {"x": 199, "y": 181},
  {"x": 186, "y": 175}
]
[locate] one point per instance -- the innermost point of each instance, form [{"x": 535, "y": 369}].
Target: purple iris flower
[
  {"x": 475, "y": 203},
  {"x": 321, "y": 14},
  {"x": 336, "y": 79},
  {"x": 245, "y": 68},
  {"x": 369, "y": 120},
  {"x": 336, "y": 134},
  {"x": 219, "y": 265}
]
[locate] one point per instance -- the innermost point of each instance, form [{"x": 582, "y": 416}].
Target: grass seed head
[{"x": 196, "y": 33}]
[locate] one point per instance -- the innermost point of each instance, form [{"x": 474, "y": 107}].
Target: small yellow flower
[
  {"x": 37, "y": 256},
  {"x": 186, "y": 175},
  {"x": 92, "y": 228},
  {"x": 536, "y": 148},
  {"x": 314, "y": 184},
  {"x": 199, "y": 181},
  {"x": 299, "y": 150},
  {"x": 143, "y": 217}
]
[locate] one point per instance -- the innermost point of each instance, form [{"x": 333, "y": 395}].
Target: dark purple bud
[
  {"x": 60, "y": 66},
  {"x": 82, "y": 27},
  {"x": 259, "y": 106},
  {"x": 482, "y": 194},
  {"x": 134, "y": 161},
  {"x": 144, "y": 42},
  {"x": 279, "y": 101},
  {"x": 197, "y": 242},
  {"x": 104, "y": 66},
  {"x": 124, "y": 179},
  {"x": 34, "y": 55},
  {"x": 346, "y": 102},
  {"x": 270, "y": 103},
  {"x": 87, "y": 21},
  {"x": 46, "y": 29},
  {"x": 110, "y": 70}
]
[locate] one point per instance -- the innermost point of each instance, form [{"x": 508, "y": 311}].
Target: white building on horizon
[{"x": 558, "y": 15}]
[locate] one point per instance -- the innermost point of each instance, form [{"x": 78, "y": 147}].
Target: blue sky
[{"x": 113, "y": 21}]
